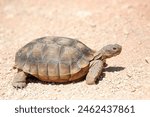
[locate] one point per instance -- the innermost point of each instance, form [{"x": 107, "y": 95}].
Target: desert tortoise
[{"x": 60, "y": 59}]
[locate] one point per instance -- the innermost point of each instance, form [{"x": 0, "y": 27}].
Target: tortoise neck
[{"x": 98, "y": 55}]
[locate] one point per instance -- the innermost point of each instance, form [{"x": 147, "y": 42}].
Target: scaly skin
[
  {"x": 94, "y": 71},
  {"x": 20, "y": 79}
]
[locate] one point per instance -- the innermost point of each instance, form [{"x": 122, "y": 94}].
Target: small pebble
[
  {"x": 93, "y": 25},
  {"x": 139, "y": 42},
  {"x": 134, "y": 90},
  {"x": 129, "y": 75},
  {"x": 147, "y": 60}
]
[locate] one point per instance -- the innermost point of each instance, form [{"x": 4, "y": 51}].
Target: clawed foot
[
  {"x": 19, "y": 85},
  {"x": 20, "y": 80},
  {"x": 105, "y": 64},
  {"x": 90, "y": 82}
]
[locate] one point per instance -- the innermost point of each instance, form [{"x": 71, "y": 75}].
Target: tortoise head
[{"x": 108, "y": 51}]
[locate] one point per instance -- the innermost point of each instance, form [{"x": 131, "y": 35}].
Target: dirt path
[{"x": 94, "y": 22}]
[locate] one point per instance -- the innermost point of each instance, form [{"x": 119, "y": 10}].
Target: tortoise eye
[{"x": 114, "y": 48}]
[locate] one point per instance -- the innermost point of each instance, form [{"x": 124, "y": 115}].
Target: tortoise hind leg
[
  {"x": 20, "y": 79},
  {"x": 94, "y": 71}
]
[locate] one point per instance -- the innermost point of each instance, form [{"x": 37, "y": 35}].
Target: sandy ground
[{"x": 94, "y": 22}]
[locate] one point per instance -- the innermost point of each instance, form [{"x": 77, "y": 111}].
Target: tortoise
[{"x": 60, "y": 60}]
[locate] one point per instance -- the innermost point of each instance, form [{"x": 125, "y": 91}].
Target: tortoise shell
[{"x": 54, "y": 59}]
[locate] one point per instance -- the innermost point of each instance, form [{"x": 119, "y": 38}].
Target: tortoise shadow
[
  {"x": 109, "y": 69},
  {"x": 32, "y": 79},
  {"x": 114, "y": 69}
]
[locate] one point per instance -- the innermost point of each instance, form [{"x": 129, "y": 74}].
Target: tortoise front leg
[
  {"x": 20, "y": 79},
  {"x": 94, "y": 71},
  {"x": 104, "y": 63}
]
